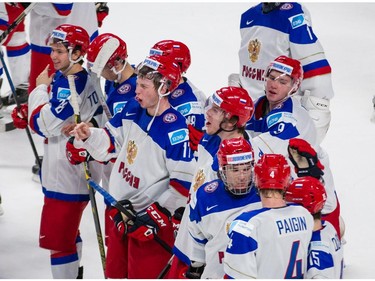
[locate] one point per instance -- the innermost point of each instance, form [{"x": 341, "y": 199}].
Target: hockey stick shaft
[
  {"x": 16, "y": 22},
  {"x": 94, "y": 207},
  {"x": 37, "y": 159},
  {"x": 123, "y": 210},
  {"x": 165, "y": 269}
]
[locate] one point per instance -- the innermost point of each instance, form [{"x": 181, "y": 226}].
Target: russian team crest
[
  {"x": 254, "y": 49},
  {"x": 132, "y": 151},
  {"x": 199, "y": 179}
]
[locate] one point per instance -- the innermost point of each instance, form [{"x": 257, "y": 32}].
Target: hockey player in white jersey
[
  {"x": 215, "y": 206},
  {"x": 153, "y": 168},
  {"x": 272, "y": 242},
  {"x": 279, "y": 117},
  {"x": 269, "y": 30},
  {"x": 49, "y": 114},
  {"x": 226, "y": 112},
  {"x": 325, "y": 259}
]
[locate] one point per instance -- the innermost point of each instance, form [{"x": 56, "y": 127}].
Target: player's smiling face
[{"x": 59, "y": 56}]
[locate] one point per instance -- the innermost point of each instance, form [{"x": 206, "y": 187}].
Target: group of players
[{"x": 210, "y": 178}]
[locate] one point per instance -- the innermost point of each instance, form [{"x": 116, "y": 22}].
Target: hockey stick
[
  {"x": 108, "y": 48},
  {"x": 94, "y": 208},
  {"x": 165, "y": 269},
  {"x": 123, "y": 210},
  {"x": 16, "y": 22},
  {"x": 10, "y": 81}
]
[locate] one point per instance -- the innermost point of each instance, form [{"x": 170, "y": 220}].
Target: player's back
[{"x": 269, "y": 243}]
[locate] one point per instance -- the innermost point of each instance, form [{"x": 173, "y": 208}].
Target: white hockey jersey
[
  {"x": 155, "y": 165},
  {"x": 326, "y": 257},
  {"x": 271, "y": 134},
  {"x": 214, "y": 210},
  {"x": 284, "y": 31},
  {"x": 269, "y": 244},
  {"x": 48, "y": 113}
]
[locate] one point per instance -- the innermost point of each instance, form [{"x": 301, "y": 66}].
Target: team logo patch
[
  {"x": 199, "y": 179},
  {"x": 63, "y": 93},
  {"x": 254, "y": 49},
  {"x": 286, "y": 6},
  {"x": 178, "y": 136},
  {"x": 169, "y": 118},
  {"x": 124, "y": 89},
  {"x": 132, "y": 151},
  {"x": 177, "y": 93},
  {"x": 211, "y": 187}
]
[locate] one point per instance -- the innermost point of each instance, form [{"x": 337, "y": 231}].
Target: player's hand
[
  {"x": 102, "y": 12},
  {"x": 195, "y": 137},
  {"x": 81, "y": 131},
  {"x": 76, "y": 155},
  {"x": 120, "y": 219},
  {"x": 43, "y": 77},
  {"x": 19, "y": 116},
  {"x": 304, "y": 159},
  {"x": 149, "y": 221},
  {"x": 195, "y": 270},
  {"x": 176, "y": 219}
]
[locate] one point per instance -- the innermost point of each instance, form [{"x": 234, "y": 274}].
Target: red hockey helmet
[
  {"x": 232, "y": 153},
  {"x": 96, "y": 45},
  {"x": 308, "y": 192},
  {"x": 234, "y": 101},
  {"x": 178, "y": 50},
  {"x": 170, "y": 71},
  {"x": 272, "y": 172},
  {"x": 71, "y": 36},
  {"x": 287, "y": 66}
]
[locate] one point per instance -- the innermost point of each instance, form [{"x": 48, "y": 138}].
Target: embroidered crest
[
  {"x": 124, "y": 89},
  {"x": 177, "y": 93},
  {"x": 169, "y": 118},
  {"x": 254, "y": 49},
  {"x": 211, "y": 187},
  {"x": 199, "y": 179},
  {"x": 132, "y": 151}
]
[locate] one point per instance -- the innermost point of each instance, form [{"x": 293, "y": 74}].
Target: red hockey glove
[
  {"x": 148, "y": 222},
  {"x": 195, "y": 137},
  {"x": 176, "y": 219},
  {"x": 304, "y": 159},
  {"x": 76, "y": 155},
  {"x": 19, "y": 116},
  {"x": 117, "y": 218},
  {"x": 102, "y": 12}
]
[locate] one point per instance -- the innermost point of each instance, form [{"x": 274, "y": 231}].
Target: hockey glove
[
  {"x": 195, "y": 137},
  {"x": 148, "y": 222},
  {"x": 76, "y": 155},
  {"x": 195, "y": 270},
  {"x": 176, "y": 219},
  {"x": 117, "y": 218},
  {"x": 102, "y": 12},
  {"x": 19, "y": 116},
  {"x": 304, "y": 159}
]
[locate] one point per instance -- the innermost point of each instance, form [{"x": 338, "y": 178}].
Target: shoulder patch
[
  {"x": 211, "y": 187},
  {"x": 124, "y": 89},
  {"x": 178, "y": 136},
  {"x": 279, "y": 117},
  {"x": 297, "y": 20},
  {"x": 63, "y": 93},
  {"x": 286, "y": 6},
  {"x": 177, "y": 93},
  {"x": 169, "y": 118},
  {"x": 243, "y": 227}
]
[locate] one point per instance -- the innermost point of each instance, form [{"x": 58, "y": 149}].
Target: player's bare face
[
  {"x": 59, "y": 56},
  {"x": 108, "y": 74},
  {"x": 146, "y": 93},
  {"x": 238, "y": 176},
  {"x": 214, "y": 117},
  {"x": 278, "y": 86}
]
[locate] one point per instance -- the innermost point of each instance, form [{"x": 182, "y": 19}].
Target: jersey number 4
[{"x": 294, "y": 269}]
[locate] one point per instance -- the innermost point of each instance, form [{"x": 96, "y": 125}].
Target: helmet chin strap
[
  {"x": 71, "y": 61},
  {"x": 118, "y": 73},
  {"x": 160, "y": 96}
]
